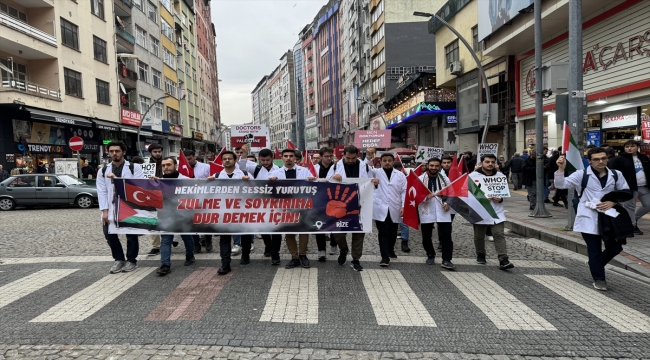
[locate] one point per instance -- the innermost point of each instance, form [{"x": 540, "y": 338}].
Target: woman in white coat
[
  {"x": 388, "y": 206},
  {"x": 601, "y": 181}
]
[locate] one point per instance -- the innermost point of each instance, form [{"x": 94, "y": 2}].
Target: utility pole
[{"x": 540, "y": 210}]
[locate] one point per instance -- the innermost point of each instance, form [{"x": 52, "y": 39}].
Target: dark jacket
[
  {"x": 529, "y": 173},
  {"x": 625, "y": 164},
  {"x": 616, "y": 229},
  {"x": 552, "y": 165},
  {"x": 159, "y": 172},
  {"x": 4, "y": 175},
  {"x": 86, "y": 171},
  {"x": 516, "y": 164}
]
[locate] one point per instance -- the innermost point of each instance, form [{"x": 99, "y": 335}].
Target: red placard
[
  {"x": 76, "y": 143},
  {"x": 372, "y": 138},
  {"x": 130, "y": 117}
]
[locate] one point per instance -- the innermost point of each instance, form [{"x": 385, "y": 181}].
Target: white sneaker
[
  {"x": 252, "y": 247},
  {"x": 236, "y": 249},
  {"x": 334, "y": 250},
  {"x": 489, "y": 238}
]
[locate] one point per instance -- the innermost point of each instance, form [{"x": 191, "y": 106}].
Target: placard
[
  {"x": 493, "y": 186},
  {"x": 372, "y": 138},
  {"x": 424, "y": 153},
  {"x": 487, "y": 148},
  {"x": 148, "y": 169},
  {"x": 256, "y": 136}
]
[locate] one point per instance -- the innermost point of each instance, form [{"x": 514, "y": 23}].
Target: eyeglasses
[{"x": 600, "y": 159}]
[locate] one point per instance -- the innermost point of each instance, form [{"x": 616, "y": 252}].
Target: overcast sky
[{"x": 252, "y": 35}]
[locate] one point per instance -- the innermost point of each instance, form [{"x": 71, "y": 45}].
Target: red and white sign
[
  {"x": 617, "y": 119},
  {"x": 76, "y": 143},
  {"x": 372, "y": 138},
  {"x": 256, "y": 136},
  {"x": 130, "y": 117}
]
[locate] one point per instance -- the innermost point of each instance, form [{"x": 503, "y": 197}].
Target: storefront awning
[
  {"x": 67, "y": 119},
  {"x": 134, "y": 130},
  {"x": 106, "y": 125}
]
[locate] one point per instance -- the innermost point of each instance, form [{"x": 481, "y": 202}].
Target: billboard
[
  {"x": 256, "y": 136},
  {"x": 493, "y": 14}
]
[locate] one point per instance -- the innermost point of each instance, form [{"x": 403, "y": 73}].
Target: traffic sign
[{"x": 76, "y": 143}]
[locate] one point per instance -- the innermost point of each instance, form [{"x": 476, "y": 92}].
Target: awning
[
  {"x": 134, "y": 130},
  {"x": 106, "y": 125},
  {"x": 67, "y": 119}
]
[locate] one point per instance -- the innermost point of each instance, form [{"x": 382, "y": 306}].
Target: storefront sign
[
  {"x": 106, "y": 141},
  {"x": 130, "y": 117},
  {"x": 421, "y": 107},
  {"x": 38, "y": 133},
  {"x": 451, "y": 119},
  {"x": 621, "y": 118},
  {"x": 91, "y": 147},
  {"x": 256, "y": 136},
  {"x": 197, "y": 135},
  {"x": 45, "y": 148},
  {"x": 152, "y": 123},
  {"x": 107, "y": 127},
  {"x": 593, "y": 138},
  {"x": 311, "y": 122},
  {"x": 372, "y": 138},
  {"x": 177, "y": 129},
  {"x": 10, "y": 158}
]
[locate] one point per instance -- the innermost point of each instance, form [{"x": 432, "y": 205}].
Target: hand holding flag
[
  {"x": 184, "y": 167},
  {"x": 418, "y": 170},
  {"x": 290, "y": 145},
  {"x": 311, "y": 167},
  {"x": 416, "y": 193}
]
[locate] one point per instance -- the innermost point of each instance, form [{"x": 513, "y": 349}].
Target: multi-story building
[
  {"x": 58, "y": 69},
  {"x": 309, "y": 89},
  {"x": 208, "y": 82},
  {"x": 257, "y": 98},
  {"x": 287, "y": 99},
  {"x": 298, "y": 114},
  {"x": 274, "y": 88}
]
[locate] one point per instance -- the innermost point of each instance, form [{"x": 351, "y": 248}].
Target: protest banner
[
  {"x": 493, "y": 186},
  {"x": 229, "y": 206},
  {"x": 148, "y": 169},
  {"x": 256, "y": 136},
  {"x": 372, "y": 138},
  {"x": 488, "y": 148},
  {"x": 424, "y": 153}
]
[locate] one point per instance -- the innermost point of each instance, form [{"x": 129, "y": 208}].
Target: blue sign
[
  {"x": 451, "y": 119},
  {"x": 593, "y": 138}
]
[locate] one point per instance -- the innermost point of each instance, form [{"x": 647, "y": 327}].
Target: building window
[
  {"x": 144, "y": 103},
  {"x": 138, "y": 4},
  {"x": 189, "y": 96},
  {"x": 191, "y": 122},
  {"x": 143, "y": 71},
  {"x": 169, "y": 59},
  {"x": 69, "y": 34},
  {"x": 196, "y": 99},
  {"x": 103, "y": 92},
  {"x": 194, "y": 74},
  {"x": 191, "y": 49},
  {"x": 156, "y": 77},
  {"x": 187, "y": 69},
  {"x": 97, "y": 8},
  {"x": 167, "y": 30},
  {"x": 183, "y": 18},
  {"x": 140, "y": 36},
  {"x": 475, "y": 44},
  {"x": 153, "y": 12},
  {"x": 451, "y": 53},
  {"x": 191, "y": 28},
  {"x": 167, "y": 4},
  {"x": 173, "y": 116},
  {"x": 170, "y": 87},
  {"x": 379, "y": 9},
  {"x": 154, "y": 45},
  {"x": 158, "y": 110},
  {"x": 14, "y": 13},
  {"x": 99, "y": 47},
  {"x": 72, "y": 82}
]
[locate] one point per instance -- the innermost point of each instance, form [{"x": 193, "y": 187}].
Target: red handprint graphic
[{"x": 337, "y": 206}]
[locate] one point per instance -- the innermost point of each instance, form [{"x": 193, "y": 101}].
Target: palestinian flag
[
  {"x": 469, "y": 201},
  {"x": 571, "y": 152},
  {"x": 128, "y": 216}
]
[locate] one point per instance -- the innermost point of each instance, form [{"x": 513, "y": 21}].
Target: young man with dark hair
[
  {"x": 292, "y": 171},
  {"x": 117, "y": 168},
  {"x": 322, "y": 168},
  {"x": 388, "y": 206},
  {"x": 351, "y": 167}
]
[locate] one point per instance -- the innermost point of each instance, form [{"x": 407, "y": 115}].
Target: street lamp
[
  {"x": 478, "y": 65},
  {"x": 142, "y": 120}
]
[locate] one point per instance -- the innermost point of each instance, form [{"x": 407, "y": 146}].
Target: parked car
[{"x": 45, "y": 189}]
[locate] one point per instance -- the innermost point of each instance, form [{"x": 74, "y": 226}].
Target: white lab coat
[
  {"x": 104, "y": 183},
  {"x": 301, "y": 172},
  {"x": 586, "y": 218},
  {"x": 431, "y": 210},
  {"x": 389, "y": 196},
  {"x": 339, "y": 168},
  {"x": 201, "y": 170},
  {"x": 250, "y": 167},
  {"x": 237, "y": 174}
]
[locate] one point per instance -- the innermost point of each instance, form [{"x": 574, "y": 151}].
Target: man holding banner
[{"x": 322, "y": 168}]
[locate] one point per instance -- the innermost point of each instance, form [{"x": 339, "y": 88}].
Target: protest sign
[
  {"x": 493, "y": 186},
  {"x": 148, "y": 169},
  {"x": 229, "y": 206},
  {"x": 487, "y": 148},
  {"x": 255, "y": 136},
  {"x": 424, "y": 153},
  {"x": 372, "y": 138}
]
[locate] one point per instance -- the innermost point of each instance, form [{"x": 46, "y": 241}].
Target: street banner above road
[
  {"x": 255, "y": 136},
  {"x": 424, "y": 153},
  {"x": 229, "y": 206},
  {"x": 372, "y": 138}
]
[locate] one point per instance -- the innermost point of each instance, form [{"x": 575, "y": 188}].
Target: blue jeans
[
  {"x": 598, "y": 258},
  {"x": 404, "y": 231},
  {"x": 166, "y": 247},
  {"x": 132, "y": 246}
]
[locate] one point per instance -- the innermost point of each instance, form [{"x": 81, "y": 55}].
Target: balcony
[
  {"x": 30, "y": 88},
  {"x": 35, "y": 43},
  {"x": 128, "y": 77},
  {"x": 310, "y": 53},
  {"x": 123, "y": 8},
  {"x": 125, "y": 41}
]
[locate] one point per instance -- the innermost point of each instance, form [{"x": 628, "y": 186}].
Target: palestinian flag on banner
[
  {"x": 128, "y": 216},
  {"x": 467, "y": 199},
  {"x": 571, "y": 152}
]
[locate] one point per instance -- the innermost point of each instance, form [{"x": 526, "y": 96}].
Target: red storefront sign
[
  {"x": 178, "y": 130},
  {"x": 130, "y": 117}
]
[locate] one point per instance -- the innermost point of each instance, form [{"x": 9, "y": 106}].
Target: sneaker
[
  {"x": 384, "y": 262},
  {"x": 405, "y": 246},
  {"x": 304, "y": 261},
  {"x": 153, "y": 252},
  {"x": 334, "y": 250},
  {"x": 505, "y": 264},
  {"x": 600, "y": 285},
  {"x": 164, "y": 270},
  {"x": 129, "y": 266},
  {"x": 245, "y": 260},
  {"x": 117, "y": 267},
  {"x": 636, "y": 230},
  {"x": 294, "y": 263},
  {"x": 267, "y": 254},
  {"x": 189, "y": 260},
  {"x": 532, "y": 207},
  {"x": 252, "y": 247},
  {"x": 322, "y": 256},
  {"x": 224, "y": 269},
  {"x": 556, "y": 204},
  {"x": 431, "y": 260},
  {"x": 489, "y": 238},
  {"x": 399, "y": 237},
  {"x": 275, "y": 262},
  {"x": 174, "y": 243},
  {"x": 343, "y": 257},
  {"x": 356, "y": 265},
  {"x": 236, "y": 249},
  {"x": 391, "y": 254},
  {"x": 208, "y": 246},
  {"x": 547, "y": 201},
  {"x": 448, "y": 265},
  {"x": 480, "y": 258}
]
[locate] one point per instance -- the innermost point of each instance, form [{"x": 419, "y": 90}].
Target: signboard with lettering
[
  {"x": 152, "y": 123},
  {"x": 197, "y": 135},
  {"x": 424, "y": 153},
  {"x": 493, "y": 186},
  {"x": 372, "y": 138},
  {"x": 442, "y": 107},
  {"x": 177, "y": 129},
  {"x": 487, "y": 148},
  {"x": 451, "y": 119},
  {"x": 620, "y": 118},
  {"x": 130, "y": 117},
  {"x": 593, "y": 138},
  {"x": 256, "y": 136},
  {"x": 148, "y": 169}
]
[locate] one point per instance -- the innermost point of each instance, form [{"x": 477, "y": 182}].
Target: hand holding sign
[{"x": 424, "y": 153}]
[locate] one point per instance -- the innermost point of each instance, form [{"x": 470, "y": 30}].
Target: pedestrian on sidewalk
[
  {"x": 388, "y": 206},
  {"x": 560, "y": 194},
  {"x": 403, "y": 233},
  {"x": 516, "y": 167},
  {"x": 635, "y": 167},
  {"x": 600, "y": 181},
  {"x": 529, "y": 178},
  {"x": 4, "y": 175}
]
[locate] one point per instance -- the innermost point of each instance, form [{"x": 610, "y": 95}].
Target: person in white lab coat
[
  {"x": 601, "y": 181},
  {"x": 434, "y": 211},
  {"x": 388, "y": 206}
]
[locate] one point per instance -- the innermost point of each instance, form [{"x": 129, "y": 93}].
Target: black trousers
[
  {"x": 272, "y": 244},
  {"x": 444, "y": 235},
  {"x": 321, "y": 241},
  {"x": 225, "y": 248},
  {"x": 387, "y": 236},
  {"x": 561, "y": 195}
]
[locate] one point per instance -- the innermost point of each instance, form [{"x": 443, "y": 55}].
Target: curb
[{"x": 571, "y": 244}]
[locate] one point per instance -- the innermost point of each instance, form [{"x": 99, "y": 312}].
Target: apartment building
[
  {"x": 259, "y": 101},
  {"x": 208, "y": 82},
  {"x": 309, "y": 89},
  {"x": 298, "y": 114}
]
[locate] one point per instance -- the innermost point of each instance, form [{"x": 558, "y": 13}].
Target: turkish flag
[
  {"x": 416, "y": 193},
  {"x": 217, "y": 159},
  {"x": 462, "y": 167},
  {"x": 277, "y": 154},
  {"x": 144, "y": 198},
  {"x": 399, "y": 159},
  {"x": 215, "y": 168},
  {"x": 454, "y": 171},
  {"x": 311, "y": 167},
  {"x": 290, "y": 145},
  {"x": 418, "y": 170},
  {"x": 184, "y": 167}
]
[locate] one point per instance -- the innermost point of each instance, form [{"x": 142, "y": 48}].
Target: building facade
[
  {"x": 298, "y": 113},
  {"x": 310, "y": 88},
  {"x": 208, "y": 82}
]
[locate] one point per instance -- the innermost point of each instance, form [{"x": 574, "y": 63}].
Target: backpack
[
  {"x": 216, "y": 176},
  {"x": 131, "y": 167},
  {"x": 585, "y": 180},
  {"x": 257, "y": 171}
]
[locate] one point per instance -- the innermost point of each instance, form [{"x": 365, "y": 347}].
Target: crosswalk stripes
[
  {"x": 393, "y": 301},
  {"x": 619, "y": 316},
  {"x": 293, "y": 297},
  {"x": 31, "y": 283},
  {"x": 94, "y": 297},
  {"x": 501, "y": 307}
]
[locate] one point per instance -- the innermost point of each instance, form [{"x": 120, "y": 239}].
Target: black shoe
[
  {"x": 208, "y": 246},
  {"x": 480, "y": 258},
  {"x": 267, "y": 254},
  {"x": 448, "y": 265},
  {"x": 431, "y": 259},
  {"x": 164, "y": 270},
  {"x": 275, "y": 262},
  {"x": 224, "y": 269},
  {"x": 343, "y": 254},
  {"x": 292, "y": 264},
  {"x": 405, "y": 247},
  {"x": 189, "y": 260},
  {"x": 304, "y": 261},
  {"x": 547, "y": 201},
  {"x": 439, "y": 246},
  {"x": 153, "y": 252},
  {"x": 532, "y": 207},
  {"x": 505, "y": 264},
  {"x": 174, "y": 243},
  {"x": 356, "y": 265},
  {"x": 197, "y": 249},
  {"x": 557, "y": 204},
  {"x": 636, "y": 231},
  {"x": 391, "y": 254},
  {"x": 384, "y": 262},
  {"x": 245, "y": 260}
]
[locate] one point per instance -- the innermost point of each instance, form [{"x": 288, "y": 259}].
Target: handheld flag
[
  {"x": 454, "y": 171},
  {"x": 399, "y": 159},
  {"x": 418, "y": 170},
  {"x": 467, "y": 199},
  {"x": 277, "y": 154},
  {"x": 217, "y": 159},
  {"x": 462, "y": 167},
  {"x": 571, "y": 152},
  {"x": 291, "y": 146},
  {"x": 311, "y": 167},
  {"x": 184, "y": 167},
  {"x": 215, "y": 168},
  {"x": 416, "y": 192}
]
